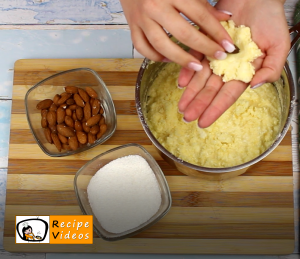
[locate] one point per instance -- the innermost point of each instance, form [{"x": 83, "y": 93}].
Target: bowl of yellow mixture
[{"x": 246, "y": 133}]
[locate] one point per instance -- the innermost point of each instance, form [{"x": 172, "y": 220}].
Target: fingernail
[
  {"x": 226, "y": 12},
  {"x": 180, "y": 111},
  {"x": 178, "y": 86},
  {"x": 258, "y": 85},
  {"x": 185, "y": 120},
  {"x": 195, "y": 66},
  {"x": 220, "y": 55},
  {"x": 229, "y": 47},
  {"x": 166, "y": 60}
]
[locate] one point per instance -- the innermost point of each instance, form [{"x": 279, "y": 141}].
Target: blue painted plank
[
  {"x": 61, "y": 12},
  {"x": 5, "y": 110},
  {"x": 3, "y": 176},
  {"x": 28, "y": 44}
]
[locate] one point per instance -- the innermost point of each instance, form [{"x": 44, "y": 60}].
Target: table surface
[{"x": 21, "y": 39}]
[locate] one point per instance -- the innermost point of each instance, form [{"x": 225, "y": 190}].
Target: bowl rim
[
  {"x": 164, "y": 181},
  {"x": 146, "y": 62},
  {"x": 79, "y": 150}
]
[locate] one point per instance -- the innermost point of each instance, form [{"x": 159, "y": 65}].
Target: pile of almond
[{"x": 73, "y": 118}]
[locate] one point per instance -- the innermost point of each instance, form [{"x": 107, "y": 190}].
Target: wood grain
[
  {"x": 249, "y": 214},
  {"x": 167, "y": 246}
]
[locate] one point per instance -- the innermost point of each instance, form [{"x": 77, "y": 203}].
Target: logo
[
  {"x": 54, "y": 229},
  {"x": 32, "y": 229}
]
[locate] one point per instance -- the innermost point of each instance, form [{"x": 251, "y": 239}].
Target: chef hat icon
[{"x": 25, "y": 224}]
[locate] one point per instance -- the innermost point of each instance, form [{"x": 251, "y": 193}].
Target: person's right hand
[
  {"x": 147, "y": 20},
  {"x": 206, "y": 96}
]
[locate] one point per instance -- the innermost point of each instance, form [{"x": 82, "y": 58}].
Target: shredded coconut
[{"x": 124, "y": 194}]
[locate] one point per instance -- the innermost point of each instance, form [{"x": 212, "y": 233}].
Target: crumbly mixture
[
  {"x": 242, "y": 133},
  {"x": 237, "y": 66}
]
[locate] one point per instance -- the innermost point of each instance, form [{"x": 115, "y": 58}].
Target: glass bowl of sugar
[{"x": 124, "y": 189}]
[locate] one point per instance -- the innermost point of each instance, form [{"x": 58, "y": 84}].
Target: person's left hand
[{"x": 206, "y": 96}]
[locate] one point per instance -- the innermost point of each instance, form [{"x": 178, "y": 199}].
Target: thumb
[{"x": 270, "y": 70}]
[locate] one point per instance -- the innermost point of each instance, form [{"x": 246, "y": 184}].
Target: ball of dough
[{"x": 237, "y": 66}]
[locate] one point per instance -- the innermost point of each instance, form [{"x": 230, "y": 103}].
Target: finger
[
  {"x": 197, "y": 11},
  {"x": 190, "y": 36},
  {"x": 167, "y": 48},
  {"x": 221, "y": 15},
  {"x": 185, "y": 74},
  {"x": 271, "y": 67},
  {"x": 227, "y": 96},
  {"x": 203, "y": 99},
  {"x": 194, "y": 87},
  {"x": 143, "y": 46},
  {"x": 257, "y": 63}
]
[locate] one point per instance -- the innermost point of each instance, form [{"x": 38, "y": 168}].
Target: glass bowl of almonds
[{"x": 70, "y": 112}]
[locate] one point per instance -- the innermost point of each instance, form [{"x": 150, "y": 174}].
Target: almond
[
  {"x": 82, "y": 137},
  {"x": 93, "y": 120},
  {"x": 91, "y": 101},
  {"x": 69, "y": 121},
  {"x": 72, "y": 106},
  {"x": 95, "y": 129},
  {"x": 53, "y": 128},
  {"x": 51, "y": 118},
  {"x": 56, "y": 141},
  {"x": 66, "y": 147},
  {"x": 63, "y": 98},
  {"x": 87, "y": 111},
  {"x": 103, "y": 129},
  {"x": 96, "y": 107},
  {"x": 101, "y": 110},
  {"x": 78, "y": 100},
  {"x": 44, "y": 122},
  {"x": 74, "y": 116},
  {"x": 69, "y": 112},
  {"x": 91, "y": 92},
  {"x": 56, "y": 98},
  {"x": 60, "y": 115},
  {"x": 62, "y": 139},
  {"x": 85, "y": 128},
  {"x": 102, "y": 120},
  {"x": 45, "y": 104},
  {"x": 64, "y": 106},
  {"x": 79, "y": 113},
  {"x": 70, "y": 101},
  {"x": 65, "y": 130},
  {"x": 78, "y": 126},
  {"x": 73, "y": 142},
  {"x": 71, "y": 89},
  {"x": 47, "y": 133},
  {"x": 53, "y": 107},
  {"x": 91, "y": 138},
  {"x": 84, "y": 95}
]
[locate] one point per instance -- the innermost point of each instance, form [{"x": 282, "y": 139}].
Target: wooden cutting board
[{"x": 249, "y": 214}]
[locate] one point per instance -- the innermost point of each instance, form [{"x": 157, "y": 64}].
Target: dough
[
  {"x": 237, "y": 66},
  {"x": 242, "y": 133}
]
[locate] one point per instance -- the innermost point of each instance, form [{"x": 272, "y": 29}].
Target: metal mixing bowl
[{"x": 285, "y": 88}]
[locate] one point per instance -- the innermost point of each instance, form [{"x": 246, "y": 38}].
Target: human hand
[
  {"x": 148, "y": 19},
  {"x": 206, "y": 97}
]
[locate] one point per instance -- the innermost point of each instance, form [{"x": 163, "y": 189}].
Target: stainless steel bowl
[{"x": 285, "y": 88}]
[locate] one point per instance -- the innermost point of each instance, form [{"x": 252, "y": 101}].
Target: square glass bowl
[
  {"x": 84, "y": 175},
  {"x": 49, "y": 87}
]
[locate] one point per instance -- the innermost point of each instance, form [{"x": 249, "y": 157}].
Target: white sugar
[{"x": 124, "y": 194}]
